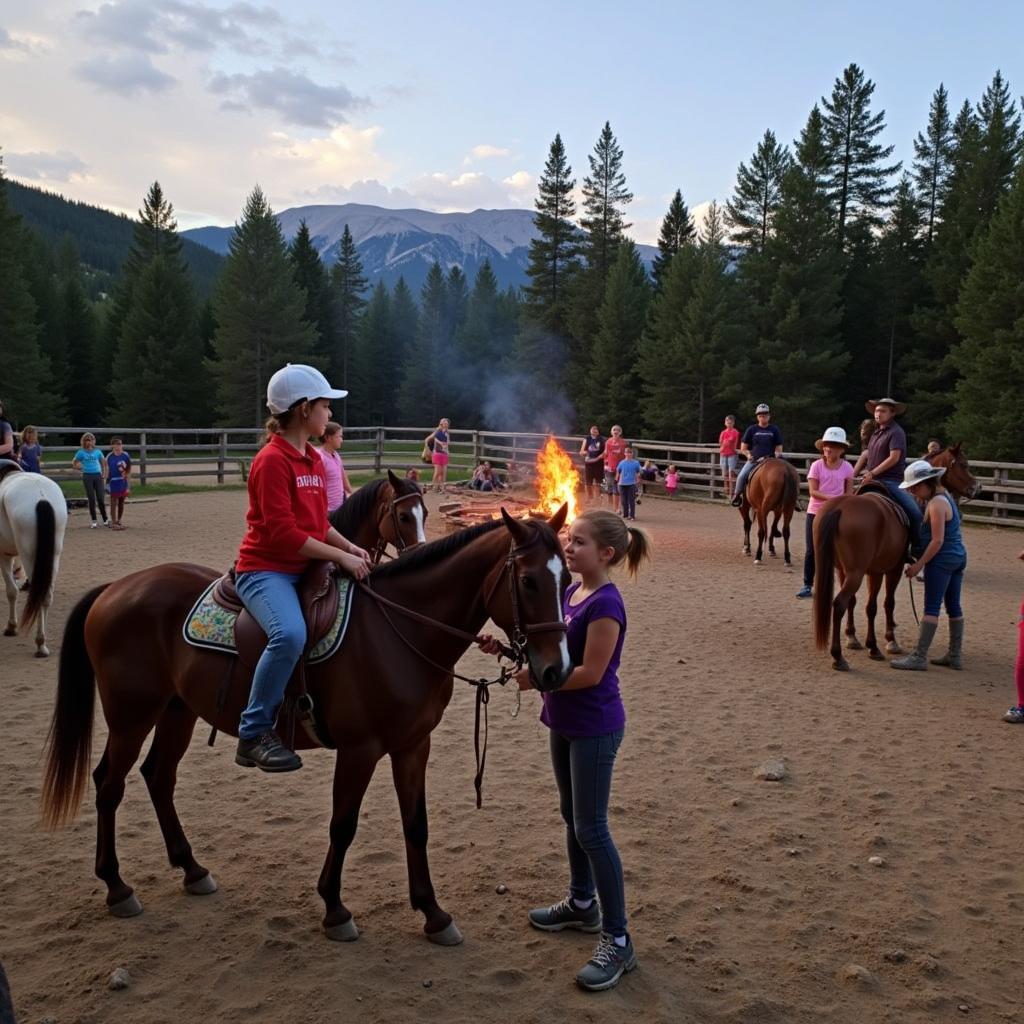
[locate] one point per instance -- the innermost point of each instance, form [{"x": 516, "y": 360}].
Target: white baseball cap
[
  {"x": 297, "y": 382},
  {"x": 763, "y": 407},
  {"x": 918, "y": 471}
]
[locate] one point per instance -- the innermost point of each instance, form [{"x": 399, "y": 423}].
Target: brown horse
[
  {"x": 772, "y": 491},
  {"x": 382, "y": 693},
  {"x": 958, "y": 478},
  {"x": 385, "y": 511},
  {"x": 856, "y": 535}
]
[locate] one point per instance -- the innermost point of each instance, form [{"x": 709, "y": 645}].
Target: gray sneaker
[
  {"x": 607, "y": 965},
  {"x": 567, "y": 915}
]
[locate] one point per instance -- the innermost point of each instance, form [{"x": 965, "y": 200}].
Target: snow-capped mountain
[{"x": 404, "y": 243}]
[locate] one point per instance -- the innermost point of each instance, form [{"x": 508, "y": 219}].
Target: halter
[{"x": 379, "y": 549}]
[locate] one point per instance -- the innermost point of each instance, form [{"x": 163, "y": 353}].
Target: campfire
[{"x": 556, "y": 482}]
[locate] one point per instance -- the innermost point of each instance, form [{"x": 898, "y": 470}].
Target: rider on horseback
[
  {"x": 886, "y": 460},
  {"x": 761, "y": 440}
]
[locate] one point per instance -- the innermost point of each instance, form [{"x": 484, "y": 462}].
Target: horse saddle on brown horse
[
  {"x": 879, "y": 490},
  {"x": 318, "y": 598}
]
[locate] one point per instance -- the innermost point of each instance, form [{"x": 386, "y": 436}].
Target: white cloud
[
  {"x": 125, "y": 75},
  {"x": 51, "y": 167},
  {"x": 486, "y": 152},
  {"x": 469, "y": 190}
]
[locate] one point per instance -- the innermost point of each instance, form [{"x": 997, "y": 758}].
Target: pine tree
[
  {"x": 604, "y": 197},
  {"x": 404, "y": 321},
  {"x": 554, "y": 252},
  {"x": 750, "y": 212},
  {"x": 456, "y": 303},
  {"x": 677, "y": 230},
  {"x": 79, "y": 331},
  {"x": 260, "y": 316},
  {"x": 858, "y": 176},
  {"x": 311, "y": 277},
  {"x": 378, "y": 363},
  {"x": 990, "y": 319},
  {"x": 26, "y": 386},
  {"x": 348, "y": 284},
  {"x": 932, "y": 152},
  {"x": 612, "y": 391},
  {"x": 420, "y": 399}
]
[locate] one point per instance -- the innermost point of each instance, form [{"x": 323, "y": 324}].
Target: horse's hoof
[
  {"x": 130, "y": 907},
  {"x": 347, "y": 932},
  {"x": 10, "y": 631},
  {"x": 841, "y": 666},
  {"x": 42, "y": 652},
  {"x": 893, "y": 648},
  {"x": 450, "y": 936},
  {"x": 202, "y": 886},
  {"x": 853, "y": 644},
  {"x": 758, "y": 562},
  {"x": 773, "y": 554},
  {"x": 876, "y": 655}
]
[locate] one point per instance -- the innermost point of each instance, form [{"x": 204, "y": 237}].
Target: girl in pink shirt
[
  {"x": 338, "y": 487},
  {"x": 828, "y": 477},
  {"x": 1015, "y": 716},
  {"x": 671, "y": 481}
]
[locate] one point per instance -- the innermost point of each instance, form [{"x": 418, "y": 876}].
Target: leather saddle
[
  {"x": 882, "y": 492},
  {"x": 318, "y": 598}
]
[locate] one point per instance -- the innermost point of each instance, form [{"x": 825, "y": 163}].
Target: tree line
[{"x": 831, "y": 274}]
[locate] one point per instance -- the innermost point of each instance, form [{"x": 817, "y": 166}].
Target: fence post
[
  {"x": 222, "y": 456},
  {"x": 378, "y": 452},
  {"x": 142, "y": 458},
  {"x": 476, "y": 447},
  {"x": 999, "y": 496}
]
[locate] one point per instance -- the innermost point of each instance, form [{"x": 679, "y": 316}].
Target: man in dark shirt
[
  {"x": 761, "y": 440},
  {"x": 592, "y": 451},
  {"x": 886, "y": 457},
  {"x": 8, "y": 449}
]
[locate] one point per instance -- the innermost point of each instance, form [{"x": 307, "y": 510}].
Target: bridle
[
  {"x": 379, "y": 551},
  {"x": 515, "y": 652}
]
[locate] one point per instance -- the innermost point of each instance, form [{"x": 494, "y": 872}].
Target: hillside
[{"x": 103, "y": 238}]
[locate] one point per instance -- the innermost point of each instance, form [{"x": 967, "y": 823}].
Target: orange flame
[{"x": 557, "y": 480}]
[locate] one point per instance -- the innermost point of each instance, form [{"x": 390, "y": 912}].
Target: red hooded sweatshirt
[{"x": 287, "y": 506}]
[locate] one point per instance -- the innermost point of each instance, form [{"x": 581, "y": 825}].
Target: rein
[{"x": 515, "y": 653}]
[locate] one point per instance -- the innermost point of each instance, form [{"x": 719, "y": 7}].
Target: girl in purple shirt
[{"x": 587, "y": 721}]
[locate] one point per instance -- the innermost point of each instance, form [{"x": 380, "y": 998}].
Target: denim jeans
[
  {"x": 942, "y": 583},
  {"x": 627, "y": 497},
  {"x": 809, "y": 551},
  {"x": 583, "y": 770},
  {"x": 273, "y": 602},
  {"x": 741, "y": 479},
  {"x": 911, "y": 507}
]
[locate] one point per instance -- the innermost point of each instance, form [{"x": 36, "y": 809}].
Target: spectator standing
[
  {"x": 728, "y": 440},
  {"x": 592, "y": 451},
  {"x": 614, "y": 453},
  {"x": 119, "y": 468},
  {"x": 338, "y": 486},
  {"x": 1015, "y": 716},
  {"x": 90, "y": 463},
  {"x": 627, "y": 473},
  {"x": 438, "y": 439},
  {"x": 30, "y": 453}
]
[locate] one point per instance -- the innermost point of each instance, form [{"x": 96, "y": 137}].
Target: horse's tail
[
  {"x": 42, "y": 567},
  {"x": 826, "y": 526},
  {"x": 69, "y": 742}
]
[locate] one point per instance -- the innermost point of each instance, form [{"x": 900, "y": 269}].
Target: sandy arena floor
[{"x": 749, "y": 901}]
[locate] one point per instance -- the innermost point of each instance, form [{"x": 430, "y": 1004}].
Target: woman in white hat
[
  {"x": 287, "y": 529},
  {"x": 828, "y": 477},
  {"x": 943, "y": 560}
]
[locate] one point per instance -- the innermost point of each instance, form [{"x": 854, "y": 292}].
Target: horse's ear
[
  {"x": 396, "y": 484},
  {"x": 519, "y": 530},
  {"x": 956, "y": 447},
  {"x": 557, "y": 521}
]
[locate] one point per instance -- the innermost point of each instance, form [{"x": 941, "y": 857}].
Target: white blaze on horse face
[
  {"x": 557, "y": 567},
  {"x": 417, "y": 513}
]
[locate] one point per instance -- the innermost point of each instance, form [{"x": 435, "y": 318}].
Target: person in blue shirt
[
  {"x": 627, "y": 473},
  {"x": 761, "y": 440},
  {"x": 119, "y": 468},
  {"x": 93, "y": 467}
]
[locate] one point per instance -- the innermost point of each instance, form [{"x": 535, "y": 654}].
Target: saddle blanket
[{"x": 213, "y": 627}]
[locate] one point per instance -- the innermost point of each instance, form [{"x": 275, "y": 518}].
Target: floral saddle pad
[{"x": 211, "y": 626}]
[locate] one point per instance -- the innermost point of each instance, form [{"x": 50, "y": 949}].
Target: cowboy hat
[
  {"x": 919, "y": 471},
  {"x": 834, "y": 435},
  {"x": 898, "y": 408}
]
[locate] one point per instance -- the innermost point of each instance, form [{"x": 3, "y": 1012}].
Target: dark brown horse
[
  {"x": 382, "y": 693},
  {"x": 771, "y": 491},
  {"x": 382, "y": 512},
  {"x": 856, "y": 535}
]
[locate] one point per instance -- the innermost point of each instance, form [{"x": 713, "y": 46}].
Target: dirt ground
[{"x": 749, "y": 901}]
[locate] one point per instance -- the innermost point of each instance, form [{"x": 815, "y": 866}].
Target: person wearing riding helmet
[
  {"x": 943, "y": 560},
  {"x": 885, "y": 459},
  {"x": 761, "y": 440},
  {"x": 287, "y": 529}
]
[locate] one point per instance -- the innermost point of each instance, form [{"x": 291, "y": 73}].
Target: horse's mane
[
  {"x": 436, "y": 551},
  {"x": 347, "y": 516}
]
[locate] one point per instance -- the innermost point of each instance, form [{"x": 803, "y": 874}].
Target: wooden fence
[{"x": 224, "y": 456}]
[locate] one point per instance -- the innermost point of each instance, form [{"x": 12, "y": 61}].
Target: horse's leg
[
  {"x": 892, "y": 582},
  {"x": 121, "y": 753},
  {"x": 160, "y": 770},
  {"x": 842, "y": 603},
  {"x": 353, "y": 770},
  {"x": 773, "y": 533},
  {"x": 852, "y": 643},
  {"x": 7, "y": 571},
  {"x": 409, "y": 770},
  {"x": 762, "y": 524},
  {"x": 745, "y": 513},
  {"x": 874, "y": 585},
  {"x": 785, "y": 538}
]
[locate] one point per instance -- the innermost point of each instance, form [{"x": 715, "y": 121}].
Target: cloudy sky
[{"x": 446, "y": 105}]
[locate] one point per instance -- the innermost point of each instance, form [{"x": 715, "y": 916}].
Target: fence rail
[{"x": 224, "y": 455}]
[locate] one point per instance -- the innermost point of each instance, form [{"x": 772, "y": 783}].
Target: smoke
[{"x": 522, "y": 403}]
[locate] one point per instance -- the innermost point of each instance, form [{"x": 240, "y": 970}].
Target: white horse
[{"x": 33, "y": 515}]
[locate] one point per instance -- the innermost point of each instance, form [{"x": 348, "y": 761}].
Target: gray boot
[
  {"x": 917, "y": 660},
  {"x": 952, "y": 658}
]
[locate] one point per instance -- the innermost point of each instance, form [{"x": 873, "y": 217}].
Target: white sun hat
[
  {"x": 297, "y": 382},
  {"x": 919, "y": 471},
  {"x": 834, "y": 435}
]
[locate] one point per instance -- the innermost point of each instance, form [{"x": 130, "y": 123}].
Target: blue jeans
[
  {"x": 943, "y": 583},
  {"x": 745, "y": 470},
  {"x": 273, "y": 602},
  {"x": 583, "y": 771},
  {"x": 809, "y": 551},
  {"x": 911, "y": 507},
  {"x": 627, "y": 498}
]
